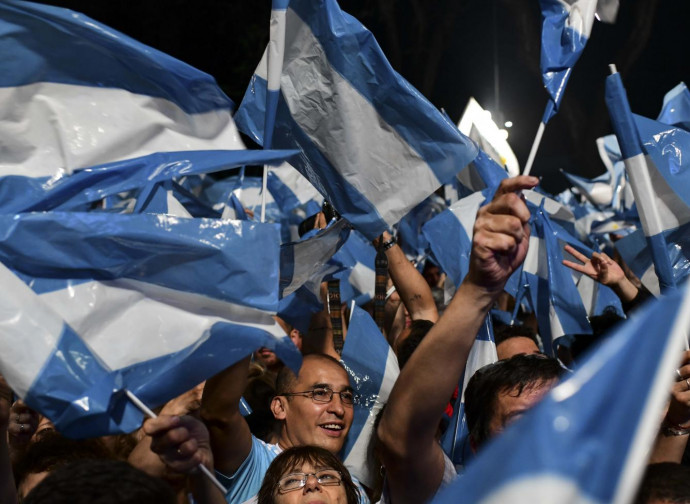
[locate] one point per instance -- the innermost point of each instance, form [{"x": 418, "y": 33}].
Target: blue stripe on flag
[{"x": 51, "y": 44}]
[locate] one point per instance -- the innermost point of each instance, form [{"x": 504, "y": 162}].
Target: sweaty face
[
  {"x": 313, "y": 492},
  {"x": 312, "y": 423},
  {"x": 514, "y": 346},
  {"x": 510, "y": 406}
]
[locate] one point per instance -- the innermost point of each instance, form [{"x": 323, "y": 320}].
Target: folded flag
[
  {"x": 566, "y": 27},
  {"x": 588, "y": 439},
  {"x": 373, "y": 369},
  {"x": 371, "y": 144},
  {"x": 148, "y": 303}
]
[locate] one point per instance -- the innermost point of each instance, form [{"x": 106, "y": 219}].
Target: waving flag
[
  {"x": 148, "y": 303},
  {"x": 355, "y": 263},
  {"x": 86, "y": 95},
  {"x": 455, "y": 440},
  {"x": 373, "y": 369},
  {"x": 567, "y": 25},
  {"x": 371, "y": 144},
  {"x": 302, "y": 261},
  {"x": 657, "y": 169},
  {"x": 553, "y": 294},
  {"x": 588, "y": 439},
  {"x": 676, "y": 108}
]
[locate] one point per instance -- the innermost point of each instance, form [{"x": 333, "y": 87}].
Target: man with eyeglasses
[{"x": 314, "y": 408}]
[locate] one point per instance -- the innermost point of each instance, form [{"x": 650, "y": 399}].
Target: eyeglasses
[
  {"x": 325, "y": 395},
  {"x": 295, "y": 481}
]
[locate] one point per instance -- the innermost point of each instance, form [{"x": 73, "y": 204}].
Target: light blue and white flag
[
  {"x": 553, "y": 295},
  {"x": 567, "y": 25},
  {"x": 676, "y": 108},
  {"x": 82, "y": 94},
  {"x": 308, "y": 259},
  {"x": 372, "y": 145},
  {"x": 355, "y": 263},
  {"x": 85, "y": 187},
  {"x": 373, "y": 369},
  {"x": 656, "y": 159},
  {"x": 455, "y": 440},
  {"x": 291, "y": 190},
  {"x": 149, "y": 303},
  {"x": 588, "y": 440}
]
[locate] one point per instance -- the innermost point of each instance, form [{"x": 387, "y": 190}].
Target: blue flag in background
[
  {"x": 373, "y": 369},
  {"x": 676, "y": 108},
  {"x": 455, "y": 440},
  {"x": 89, "y": 95},
  {"x": 656, "y": 160},
  {"x": 373, "y": 146},
  {"x": 566, "y": 27},
  {"x": 588, "y": 440},
  {"x": 148, "y": 303}
]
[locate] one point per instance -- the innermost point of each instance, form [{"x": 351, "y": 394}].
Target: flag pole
[
  {"x": 535, "y": 147},
  {"x": 147, "y": 411}
]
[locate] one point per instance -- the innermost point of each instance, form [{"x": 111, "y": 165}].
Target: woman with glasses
[{"x": 307, "y": 474}]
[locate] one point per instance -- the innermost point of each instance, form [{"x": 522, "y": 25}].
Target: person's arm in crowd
[
  {"x": 413, "y": 290},
  {"x": 142, "y": 457},
  {"x": 412, "y": 457},
  {"x": 675, "y": 428},
  {"x": 604, "y": 270},
  {"x": 23, "y": 425},
  {"x": 182, "y": 443},
  {"x": 231, "y": 440},
  {"x": 8, "y": 491}
]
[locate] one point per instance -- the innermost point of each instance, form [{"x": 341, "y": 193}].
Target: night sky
[{"x": 450, "y": 50}]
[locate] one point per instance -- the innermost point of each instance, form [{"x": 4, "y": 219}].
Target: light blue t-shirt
[{"x": 245, "y": 483}]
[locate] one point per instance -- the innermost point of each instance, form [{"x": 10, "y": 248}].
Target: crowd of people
[{"x": 286, "y": 450}]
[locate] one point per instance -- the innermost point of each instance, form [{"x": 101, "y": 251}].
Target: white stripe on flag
[
  {"x": 23, "y": 314},
  {"x": 64, "y": 127},
  {"x": 103, "y": 312},
  {"x": 276, "y": 49},
  {"x": 342, "y": 110}
]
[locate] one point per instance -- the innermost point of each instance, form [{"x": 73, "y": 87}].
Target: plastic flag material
[
  {"x": 373, "y": 369},
  {"x": 566, "y": 27},
  {"x": 676, "y": 108},
  {"x": 149, "y": 303},
  {"x": 87, "y": 95},
  {"x": 588, "y": 439},
  {"x": 371, "y": 144},
  {"x": 656, "y": 159}
]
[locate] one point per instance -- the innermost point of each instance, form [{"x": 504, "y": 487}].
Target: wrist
[
  {"x": 625, "y": 290},
  {"x": 669, "y": 428}
]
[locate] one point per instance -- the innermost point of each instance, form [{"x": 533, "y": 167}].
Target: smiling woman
[{"x": 307, "y": 474}]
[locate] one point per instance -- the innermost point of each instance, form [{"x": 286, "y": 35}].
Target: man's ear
[{"x": 279, "y": 407}]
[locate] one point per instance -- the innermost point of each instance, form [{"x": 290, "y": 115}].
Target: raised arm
[
  {"x": 412, "y": 457},
  {"x": 414, "y": 291},
  {"x": 231, "y": 440},
  {"x": 603, "y": 269}
]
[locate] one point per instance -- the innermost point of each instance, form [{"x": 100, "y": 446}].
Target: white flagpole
[{"x": 535, "y": 147}]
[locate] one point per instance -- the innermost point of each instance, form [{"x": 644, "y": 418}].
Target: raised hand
[
  {"x": 603, "y": 269},
  {"x": 501, "y": 235},
  {"x": 181, "y": 442}
]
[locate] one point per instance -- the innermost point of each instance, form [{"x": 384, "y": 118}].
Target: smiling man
[{"x": 314, "y": 408}]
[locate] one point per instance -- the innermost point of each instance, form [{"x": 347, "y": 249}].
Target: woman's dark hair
[{"x": 293, "y": 459}]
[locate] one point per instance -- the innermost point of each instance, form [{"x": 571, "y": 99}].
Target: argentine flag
[
  {"x": 567, "y": 25},
  {"x": 371, "y": 144},
  {"x": 97, "y": 304},
  {"x": 373, "y": 369},
  {"x": 656, "y": 159},
  {"x": 588, "y": 440}
]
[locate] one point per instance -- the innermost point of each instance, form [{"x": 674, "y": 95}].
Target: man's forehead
[{"x": 322, "y": 371}]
